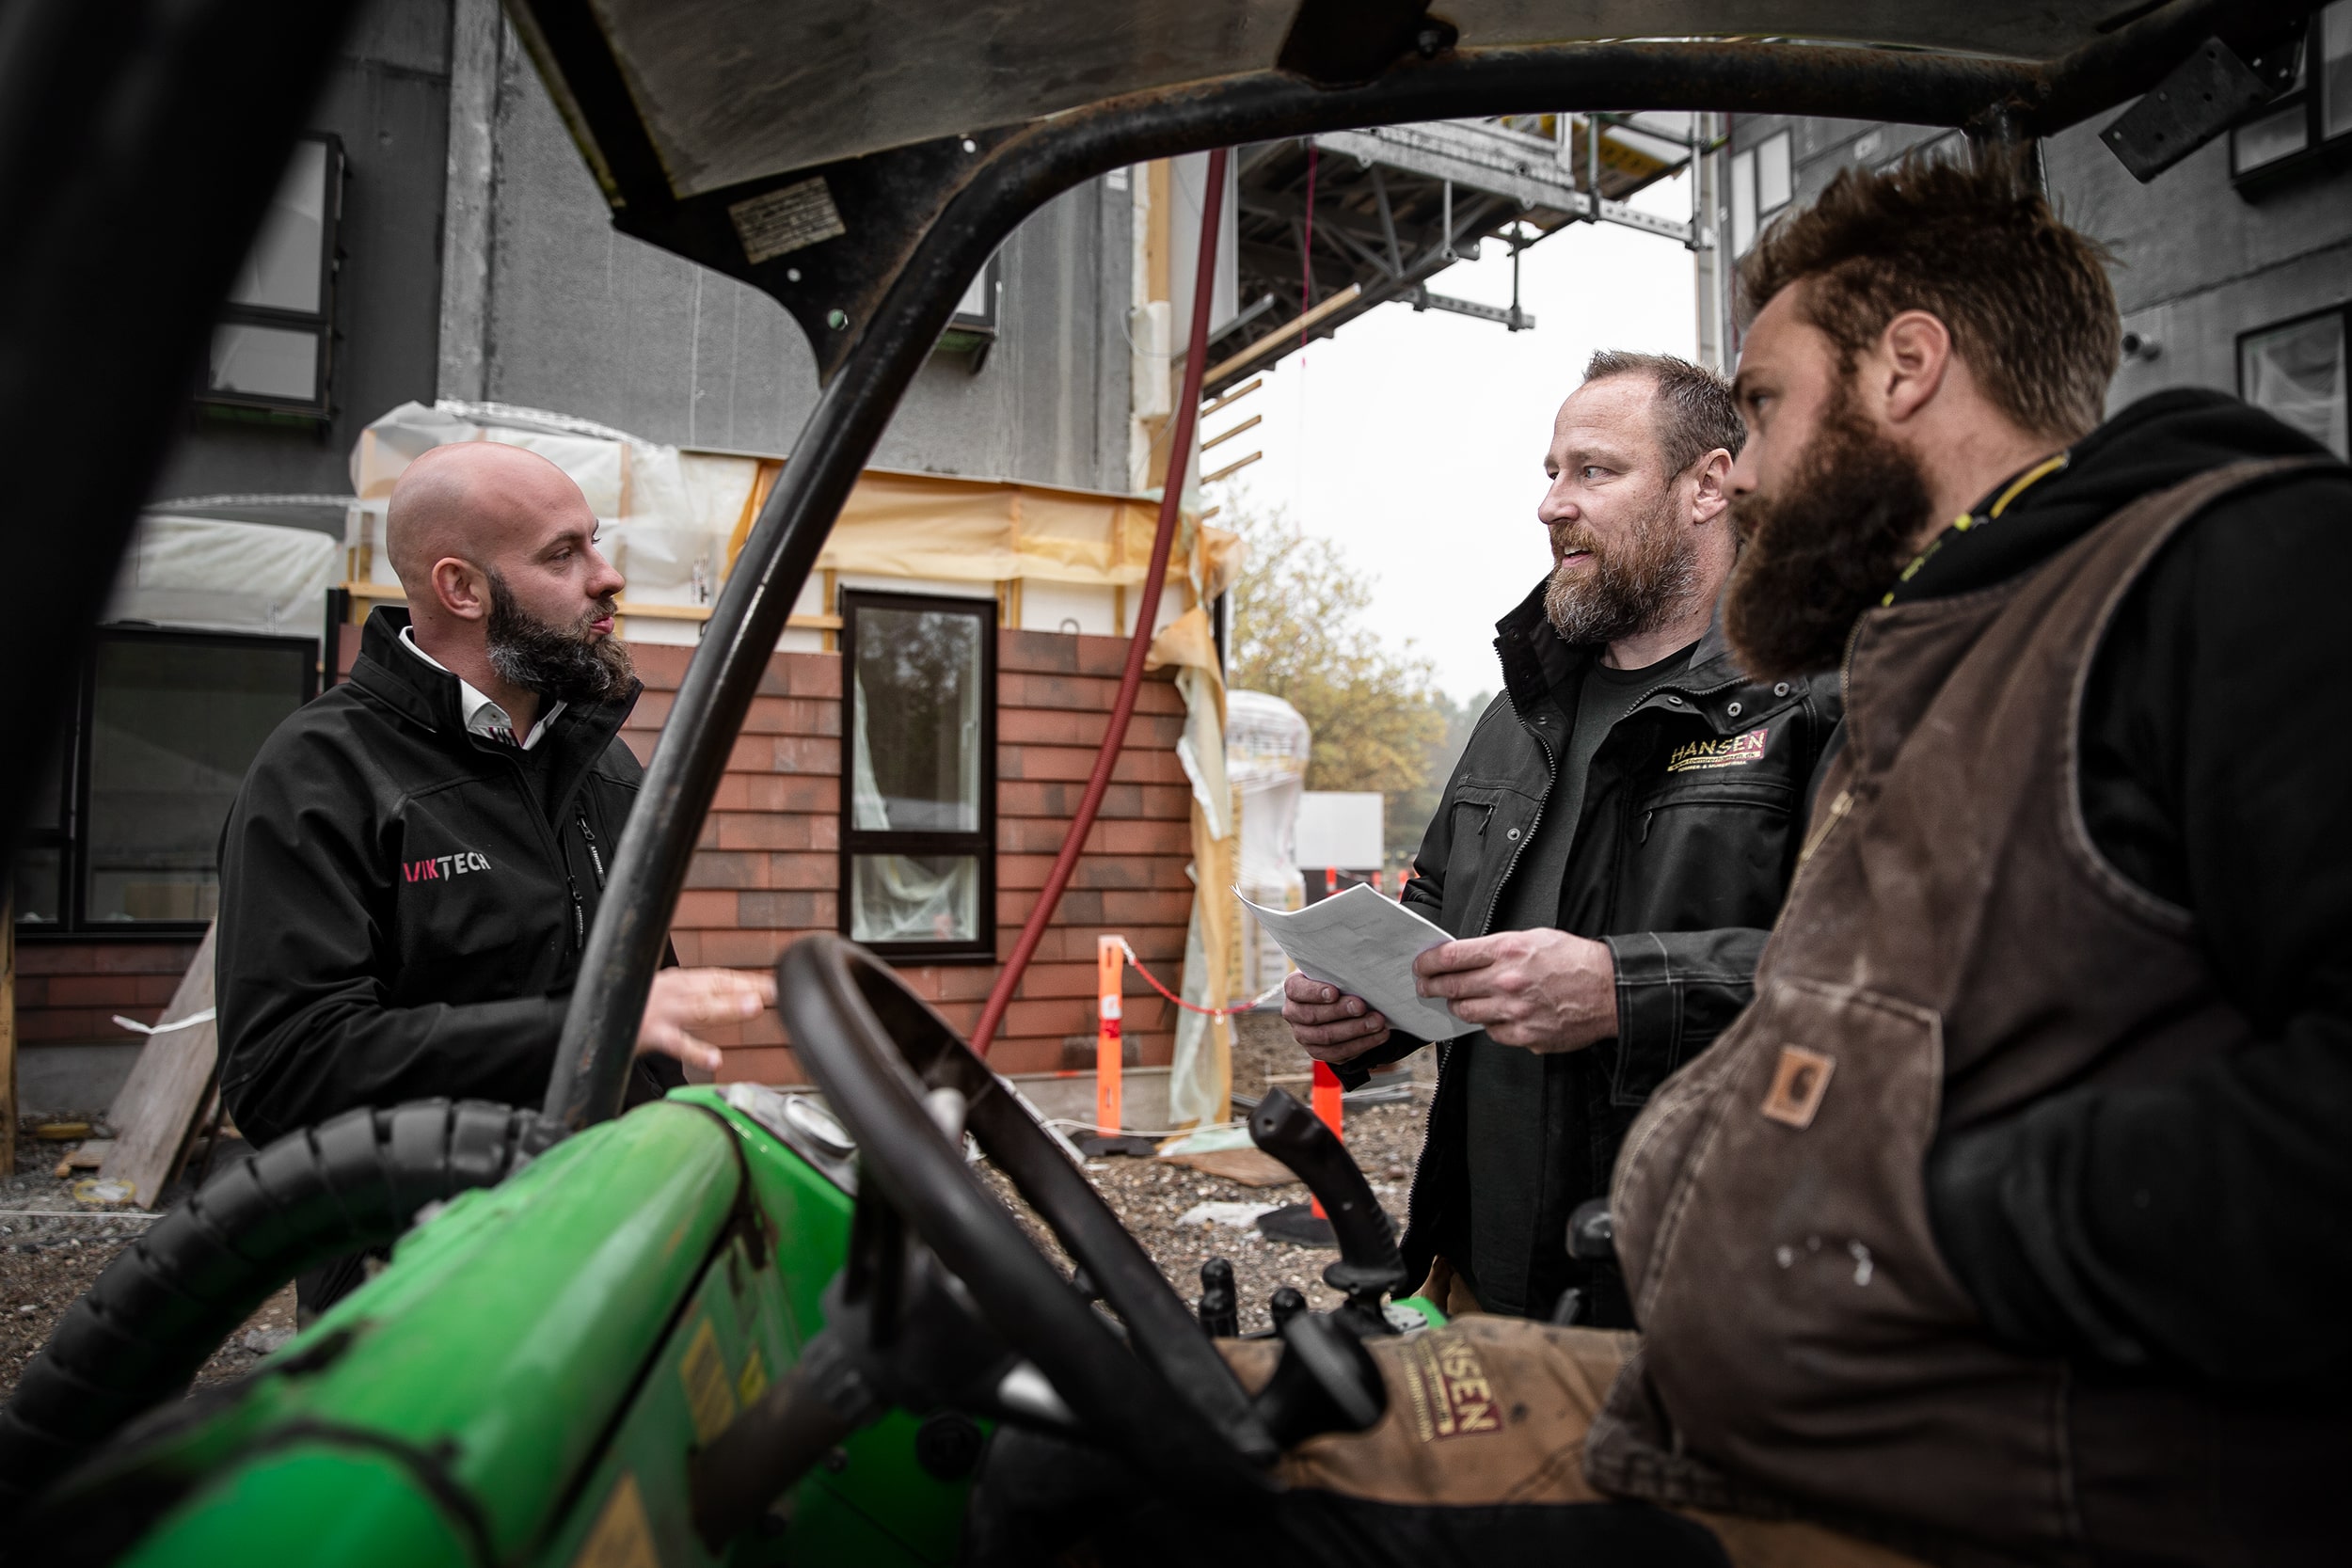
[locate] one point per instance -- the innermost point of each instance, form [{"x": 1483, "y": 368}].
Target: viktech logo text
[
  {"x": 438, "y": 867},
  {"x": 1737, "y": 751}
]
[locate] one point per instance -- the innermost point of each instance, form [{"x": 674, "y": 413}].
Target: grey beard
[
  {"x": 559, "y": 663},
  {"x": 1628, "y": 594}
]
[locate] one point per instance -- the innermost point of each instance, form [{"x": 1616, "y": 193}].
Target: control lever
[
  {"x": 1220, "y": 1302},
  {"x": 1593, "y": 1232},
  {"x": 1326, "y": 1382},
  {"x": 1592, "y": 1238},
  {"x": 1370, "y": 1265}
]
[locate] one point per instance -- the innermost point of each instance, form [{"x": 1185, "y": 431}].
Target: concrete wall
[
  {"x": 388, "y": 98},
  {"x": 2197, "y": 263},
  {"x": 585, "y": 320}
]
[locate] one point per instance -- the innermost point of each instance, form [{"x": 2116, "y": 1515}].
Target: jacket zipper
[{"x": 588, "y": 836}]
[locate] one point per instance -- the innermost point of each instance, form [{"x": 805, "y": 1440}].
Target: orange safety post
[
  {"x": 1330, "y": 881},
  {"x": 1110, "y": 954},
  {"x": 1327, "y": 1107}
]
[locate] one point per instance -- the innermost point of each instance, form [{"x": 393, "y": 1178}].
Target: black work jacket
[
  {"x": 1687, "y": 836},
  {"x": 403, "y": 904}
]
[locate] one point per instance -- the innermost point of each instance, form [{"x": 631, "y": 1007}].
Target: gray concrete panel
[
  {"x": 589, "y": 321},
  {"x": 2189, "y": 230},
  {"x": 392, "y": 115}
]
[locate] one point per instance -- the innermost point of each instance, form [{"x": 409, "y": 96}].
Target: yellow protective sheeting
[{"x": 992, "y": 531}]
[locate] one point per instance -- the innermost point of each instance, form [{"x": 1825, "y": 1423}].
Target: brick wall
[
  {"x": 68, "y": 993},
  {"x": 768, "y": 869}
]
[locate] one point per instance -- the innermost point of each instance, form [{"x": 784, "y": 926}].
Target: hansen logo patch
[
  {"x": 1737, "y": 751},
  {"x": 434, "y": 868},
  {"x": 1451, "y": 1394}
]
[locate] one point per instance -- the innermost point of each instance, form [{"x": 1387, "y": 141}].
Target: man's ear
[
  {"x": 1914, "y": 356},
  {"x": 462, "y": 588},
  {"x": 1709, "y": 495}
]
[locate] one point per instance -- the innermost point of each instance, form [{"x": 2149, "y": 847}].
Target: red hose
[{"x": 1147, "y": 610}]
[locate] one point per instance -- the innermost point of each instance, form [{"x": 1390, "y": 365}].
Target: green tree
[{"x": 1302, "y": 631}]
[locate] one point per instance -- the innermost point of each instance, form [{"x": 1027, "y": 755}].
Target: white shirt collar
[{"x": 482, "y": 716}]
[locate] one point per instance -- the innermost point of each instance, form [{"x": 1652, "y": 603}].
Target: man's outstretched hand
[
  {"x": 685, "y": 1000},
  {"x": 1331, "y": 1025},
  {"x": 1543, "y": 990}
]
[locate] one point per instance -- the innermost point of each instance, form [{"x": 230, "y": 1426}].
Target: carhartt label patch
[
  {"x": 1451, "y": 1394},
  {"x": 1798, "y": 1084},
  {"x": 1737, "y": 751},
  {"x": 440, "y": 868}
]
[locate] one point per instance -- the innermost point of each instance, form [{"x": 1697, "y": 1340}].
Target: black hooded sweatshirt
[
  {"x": 2203, "y": 1225},
  {"x": 403, "y": 903}
]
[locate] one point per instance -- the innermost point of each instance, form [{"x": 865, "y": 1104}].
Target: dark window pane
[
  {"x": 46, "y": 808},
  {"x": 37, "y": 885},
  {"x": 2268, "y": 140},
  {"x": 173, "y": 726},
  {"x": 283, "y": 268},
  {"x": 2334, "y": 29},
  {"x": 914, "y": 899},
  {"x": 2297, "y": 372},
  {"x": 916, "y": 753},
  {"x": 265, "y": 362}
]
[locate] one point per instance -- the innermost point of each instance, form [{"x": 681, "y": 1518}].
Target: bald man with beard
[{"x": 412, "y": 865}]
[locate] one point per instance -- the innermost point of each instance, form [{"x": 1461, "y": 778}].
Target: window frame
[
  {"x": 71, "y": 834},
  {"x": 980, "y": 843},
  {"x": 320, "y": 323},
  {"x": 2340, "y": 311},
  {"x": 973, "y": 333},
  {"x": 2319, "y": 150}
]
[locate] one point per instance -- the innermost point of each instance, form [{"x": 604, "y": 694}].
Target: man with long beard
[
  {"x": 1610, "y": 851},
  {"x": 2013, "y": 1211},
  {"x": 412, "y": 863}
]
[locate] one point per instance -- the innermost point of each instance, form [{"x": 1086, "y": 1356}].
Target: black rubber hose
[{"x": 167, "y": 1301}]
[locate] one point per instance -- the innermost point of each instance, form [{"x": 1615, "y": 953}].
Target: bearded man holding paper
[{"x": 1609, "y": 854}]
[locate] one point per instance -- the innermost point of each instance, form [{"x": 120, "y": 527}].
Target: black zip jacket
[
  {"x": 403, "y": 903},
  {"x": 1686, "y": 838},
  {"x": 2203, "y": 1225}
]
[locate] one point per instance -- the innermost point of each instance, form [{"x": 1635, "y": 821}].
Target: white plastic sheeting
[
  {"x": 664, "y": 515},
  {"x": 1267, "y": 745},
  {"x": 208, "y": 574}
]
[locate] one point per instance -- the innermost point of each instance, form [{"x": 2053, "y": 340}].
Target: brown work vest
[{"x": 1954, "y": 948}]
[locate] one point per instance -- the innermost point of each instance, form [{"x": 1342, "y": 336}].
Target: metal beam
[
  {"x": 1448, "y": 151},
  {"x": 1511, "y": 317}
]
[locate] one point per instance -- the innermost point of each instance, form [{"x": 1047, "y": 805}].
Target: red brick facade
[
  {"x": 767, "y": 866},
  {"x": 768, "y": 869},
  {"x": 69, "y": 992}
]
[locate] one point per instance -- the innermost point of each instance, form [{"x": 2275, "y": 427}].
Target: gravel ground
[
  {"x": 1150, "y": 1195},
  {"x": 45, "y": 1263}
]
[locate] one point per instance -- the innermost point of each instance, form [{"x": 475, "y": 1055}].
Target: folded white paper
[{"x": 1365, "y": 945}]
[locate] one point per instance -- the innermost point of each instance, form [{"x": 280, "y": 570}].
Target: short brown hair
[
  {"x": 1697, "y": 412},
  {"x": 1973, "y": 243}
]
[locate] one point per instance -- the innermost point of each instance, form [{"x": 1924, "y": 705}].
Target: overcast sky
[{"x": 1417, "y": 441}]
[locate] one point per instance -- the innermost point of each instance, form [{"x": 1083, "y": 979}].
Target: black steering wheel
[{"x": 1161, "y": 1396}]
